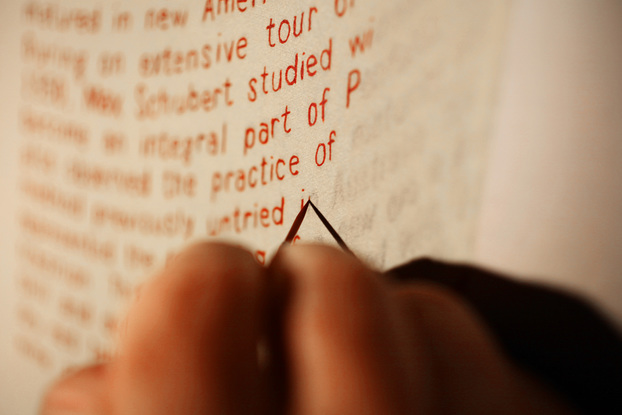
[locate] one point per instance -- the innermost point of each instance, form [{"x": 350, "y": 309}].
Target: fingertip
[
  {"x": 217, "y": 259},
  {"x": 83, "y": 392},
  {"x": 322, "y": 266},
  {"x": 201, "y": 275},
  {"x": 326, "y": 288},
  {"x": 191, "y": 340},
  {"x": 342, "y": 336}
]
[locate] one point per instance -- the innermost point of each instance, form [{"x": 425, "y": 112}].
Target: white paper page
[{"x": 136, "y": 128}]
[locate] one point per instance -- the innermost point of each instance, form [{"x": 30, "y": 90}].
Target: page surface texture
[{"x": 131, "y": 129}]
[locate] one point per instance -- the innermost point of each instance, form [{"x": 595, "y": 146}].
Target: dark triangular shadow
[{"x": 298, "y": 222}]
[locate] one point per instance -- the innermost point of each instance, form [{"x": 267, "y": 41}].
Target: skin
[{"x": 334, "y": 337}]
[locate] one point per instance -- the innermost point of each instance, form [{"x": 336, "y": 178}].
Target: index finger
[{"x": 191, "y": 341}]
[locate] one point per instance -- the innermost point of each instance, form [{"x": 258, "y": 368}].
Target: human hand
[{"x": 340, "y": 340}]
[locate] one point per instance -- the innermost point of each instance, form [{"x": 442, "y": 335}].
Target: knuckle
[{"x": 435, "y": 298}]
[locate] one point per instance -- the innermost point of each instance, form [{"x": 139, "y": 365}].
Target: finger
[
  {"x": 191, "y": 339},
  {"x": 553, "y": 334},
  {"x": 343, "y": 338},
  {"x": 84, "y": 392},
  {"x": 470, "y": 371}
]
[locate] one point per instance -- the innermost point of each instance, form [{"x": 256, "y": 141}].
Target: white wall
[{"x": 553, "y": 205}]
